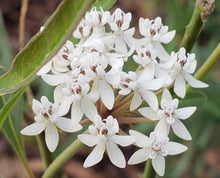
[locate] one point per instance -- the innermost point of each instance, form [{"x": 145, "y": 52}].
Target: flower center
[
  {"x": 125, "y": 82},
  {"x": 102, "y": 130},
  {"x": 156, "y": 145},
  {"x": 76, "y": 88},
  {"x": 46, "y": 112}
]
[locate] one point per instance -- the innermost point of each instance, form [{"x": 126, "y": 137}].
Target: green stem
[
  {"x": 207, "y": 66},
  {"x": 149, "y": 171},
  {"x": 62, "y": 159},
  {"x": 210, "y": 62},
  {"x": 199, "y": 17},
  {"x": 46, "y": 155}
]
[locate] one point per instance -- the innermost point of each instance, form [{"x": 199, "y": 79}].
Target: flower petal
[
  {"x": 51, "y": 136},
  {"x": 67, "y": 125},
  {"x": 167, "y": 96},
  {"x": 162, "y": 128},
  {"x": 161, "y": 52},
  {"x": 87, "y": 139},
  {"x": 136, "y": 101},
  {"x": 45, "y": 69},
  {"x": 122, "y": 140},
  {"x": 58, "y": 93},
  {"x": 174, "y": 148},
  {"x": 88, "y": 108},
  {"x": 140, "y": 139},
  {"x": 149, "y": 113},
  {"x": 184, "y": 113},
  {"x": 150, "y": 98},
  {"x": 36, "y": 106},
  {"x": 194, "y": 82},
  {"x": 76, "y": 111},
  {"x": 180, "y": 130},
  {"x": 94, "y": 93},
  {"x": 65, "y": 106},
  {"x": 167, "y": 37},
  {"x": 159, "y": 165},
  {"x": 180, "y": 86},
  {"x": 153, "y": 84},
  {"x": 54, "y": 80},
  {"x": 107, "y": 94},
  {"x": 115, "y": 155},
  {"x": 139, "y": 156},
  {"x": 33, "y": 129},
  {"x": 95, "y": 156}
]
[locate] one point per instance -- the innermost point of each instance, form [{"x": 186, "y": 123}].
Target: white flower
[
  {"x": 121, "y": 21},
  {"x": 141, "y": 82},
  {"x": 97, "y": 19},
  {"x": 48, "y": 119},
  {"x": 155, "y": 147},
  {"x": 103, "y": 137},
  {"x": 83, "y": 30},
  {"x": 60, "y": 61},
  {"x": 75, "y": 93},
  {"x": 123, "y": 35},
  {"x": 146, "y": 55},
  {"x": 183, "y": 67},
  {"x": 95, "y": 69},
  {"x": 169, "y": 115},
  {"x": 155, "y": 33}
]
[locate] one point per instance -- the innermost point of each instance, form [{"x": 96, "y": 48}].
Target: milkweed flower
[
  {"x": 103, "y": 135},
  {"x": 155, "y": 147},
  {"x": 184, "y": 65},
  {"x": 170, "y": 115},
  {"x": 47, "y": 119}
]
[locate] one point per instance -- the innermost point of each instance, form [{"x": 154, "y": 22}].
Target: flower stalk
[
  {"x": 63, "y": 158},
  {"x": 149, "y": 171},
  {"x": 197, "y": 22}
]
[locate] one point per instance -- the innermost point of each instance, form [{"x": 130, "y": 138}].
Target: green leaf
[
  {"x": 193, "y": 98},
  {"x": 44, "y": 45},
  {"x": 4, "y": 112},
  {"x": 12, "y": 127},
  {"x": 5, "y": 50},
  {"x": 105, "y": 5}
]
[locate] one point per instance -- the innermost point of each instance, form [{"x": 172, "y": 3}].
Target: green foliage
[
  {"x": 105, "y": 5},
  {"x": 193, "y": 98},
  {"x": 43, "y": 46}
]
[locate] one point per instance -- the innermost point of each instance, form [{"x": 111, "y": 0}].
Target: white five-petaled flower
[
  {"x": 123, "y": 36},
  {"x": 156, "y": 33},
  {"x": 60, "y": 61},
  {"x": 184, "y": 66},
  {"x": 169, "y": 115},
  {"x": 103, "y": 137},
  {"x": 48, "y": 119},
  {"x": 155, "y": 147},
  {"x": 75, "y": 93},
  {"x": 141, "y": 82}
]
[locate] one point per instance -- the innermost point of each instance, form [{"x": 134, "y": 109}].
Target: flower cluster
[{"x": 89, "y": 75}]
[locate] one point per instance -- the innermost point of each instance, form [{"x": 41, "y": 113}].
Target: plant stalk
[
  {"x": 149, "y": 171},
  {"x": 70, "y": 151},
  {"x": 197, "y": 22}
]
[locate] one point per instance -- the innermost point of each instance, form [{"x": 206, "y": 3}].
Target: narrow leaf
[{"x": 4, "y": 112}]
